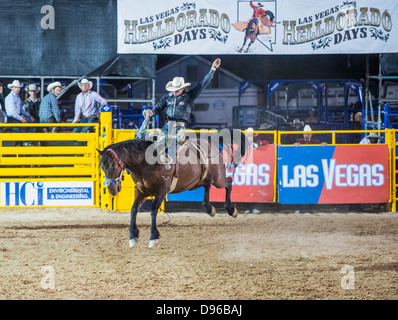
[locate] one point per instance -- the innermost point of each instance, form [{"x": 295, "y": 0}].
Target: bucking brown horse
[{"x": 200, "y": 163}]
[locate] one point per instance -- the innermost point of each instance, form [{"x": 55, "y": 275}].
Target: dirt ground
[{"x": 83, "y": 253}]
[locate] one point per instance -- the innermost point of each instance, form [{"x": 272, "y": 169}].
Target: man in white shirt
[
  {"x": 15, "y": 112},
  {"x": 86, "y": 110},
  {"x": 371, "y": 138}
]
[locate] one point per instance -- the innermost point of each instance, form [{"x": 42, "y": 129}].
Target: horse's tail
[{"x": 235, "y": 144}]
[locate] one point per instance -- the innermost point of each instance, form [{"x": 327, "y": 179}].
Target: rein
[{"x": 111, "y": 182}]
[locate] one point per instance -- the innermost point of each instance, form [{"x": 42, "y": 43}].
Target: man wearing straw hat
[
  {"x": 86, "y": 110},
  {"x": 49, "y": 110},
  {"x": 371, "y": 138},
  {"x": 178, "y": 105},
  {"x": 15, "y": 112}
]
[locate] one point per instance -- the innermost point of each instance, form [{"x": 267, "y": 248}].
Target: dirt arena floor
[{"x": 71, "y": 253}]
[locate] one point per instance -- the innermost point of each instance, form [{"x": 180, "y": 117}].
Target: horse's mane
[{"x": 125, "y": 148}]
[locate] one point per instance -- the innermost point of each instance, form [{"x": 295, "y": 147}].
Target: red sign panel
[
  {"x": 356, "y": 174},
  {"x": 253, "y": 178}
]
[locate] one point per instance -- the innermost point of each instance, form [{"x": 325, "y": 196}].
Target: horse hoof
[
  {"x": 235, "y": 213},
  {"x": 213, "y": 211},
  {"x": 133, "y": 242},
  {"x": 153, "y": 243}
]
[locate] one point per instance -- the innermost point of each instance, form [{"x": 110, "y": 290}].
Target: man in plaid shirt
[{"x": 49, "y": 111}]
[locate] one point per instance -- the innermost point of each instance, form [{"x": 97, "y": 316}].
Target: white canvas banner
[
  {"x": 257, "y": 27},
  {"x": 46, "y": 193}
]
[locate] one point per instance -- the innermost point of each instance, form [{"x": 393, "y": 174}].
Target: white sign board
[
  {"x": 257, "y": 27},
  {"x": 47, "y": 193}
]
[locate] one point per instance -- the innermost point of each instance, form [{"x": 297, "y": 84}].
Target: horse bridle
[{"x": 120, "y": 178}]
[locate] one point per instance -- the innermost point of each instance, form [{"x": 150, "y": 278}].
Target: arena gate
[{"x": 49, "y": 169}]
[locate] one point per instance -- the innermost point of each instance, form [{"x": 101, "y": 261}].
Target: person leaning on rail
[
  {"x": 307, "y": 138},
  {"x": 15, "y": 112},
  {"x": 371, "y": 138},
  {"x": 49, "y": 110},
  {"x": 86, "y": 110}
]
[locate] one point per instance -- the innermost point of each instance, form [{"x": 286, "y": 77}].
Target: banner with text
[
  {"x": 252, "y": 180},
  {"x": 257, "y": 27},
  {"x": 46, "y": 193},
  {"x": 333, "y": 174}
]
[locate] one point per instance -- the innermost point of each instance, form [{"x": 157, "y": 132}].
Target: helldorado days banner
[{"x": 257, "y": 27}]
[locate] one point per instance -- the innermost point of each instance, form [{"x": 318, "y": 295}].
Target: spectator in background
[
  {"x": 49, "y": 111},
  {"x": 313, "y": 118},
  {"x": 32, "y": 104},
  {"x": 2, "y": 103},
  {"x": 86, "y": 110},
  {"x": 358, "y": 117},
  {"x": 3, "y": 117},
  {"x": 307, "y": 138},
  {"x": 296, "y": 125},
  {"x": 371, "y": 138},
  {"x": 15, "y": 112}
]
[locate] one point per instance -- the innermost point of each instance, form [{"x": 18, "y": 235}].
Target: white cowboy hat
[
  {"x": 32, "y": 87},
  {"x": 15, "y": 83},
  {"x": 297, "y": 122},
  {"x": 177, "y": 84},
  {"x": 251, "y": 130},
  {"x": 85, "y": 81},
  {"x": 373, "y": 135},
  {"x": 307, "y": 128},
  {"x": 54, "y": 85}
]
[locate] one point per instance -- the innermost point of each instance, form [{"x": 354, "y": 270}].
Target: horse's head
[{"x": 113, "y": 168}]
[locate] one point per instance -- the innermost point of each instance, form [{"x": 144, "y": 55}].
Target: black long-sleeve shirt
[{"x": 179, "y": 108}]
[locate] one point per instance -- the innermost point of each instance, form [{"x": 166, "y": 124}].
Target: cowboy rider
[
  {"x": 178, "y": 105},
  {"x": 258, "y": 11}
]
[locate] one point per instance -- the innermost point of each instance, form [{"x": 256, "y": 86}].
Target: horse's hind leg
[
  {"x": 206, "y": 203},
  {"x": 227, "y": 184},
  {"x": 220, "y": 180},
  {"x": 134, "y": 232},
  {"x": 155, "y": 235},
  {"x": 232, "y": 211}
]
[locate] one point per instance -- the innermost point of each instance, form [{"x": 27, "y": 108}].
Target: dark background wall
[{"x": 82, "y": 42}]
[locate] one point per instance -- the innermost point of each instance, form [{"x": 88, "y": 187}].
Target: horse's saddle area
[{"x": 203, "y": 155}]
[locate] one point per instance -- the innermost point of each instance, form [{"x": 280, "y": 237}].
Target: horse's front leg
[
  {"x": 134, "y": 232},
  {"x": 155, "y": 235}
]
